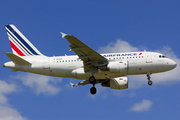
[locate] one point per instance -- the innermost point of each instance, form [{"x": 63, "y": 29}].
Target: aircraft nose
[{"x": 173, "y": 64}]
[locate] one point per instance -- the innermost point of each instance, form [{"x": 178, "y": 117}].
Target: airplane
[{"x": 109, "y": 69}]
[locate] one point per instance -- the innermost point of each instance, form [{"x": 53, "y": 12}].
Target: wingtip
[
  {"x": 72, "y": 85},
  {"x": 63, "y": 34}
]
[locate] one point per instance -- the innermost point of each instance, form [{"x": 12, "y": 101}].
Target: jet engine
[
  {"x": 118, "y": 67},
  {"x": 116, "y": 83}
]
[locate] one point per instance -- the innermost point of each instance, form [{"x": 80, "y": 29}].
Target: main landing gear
[
  {"x": 92, "y": 80},
  {"x": 149, "y": 79},
  {"x": 93, "y": 90}
]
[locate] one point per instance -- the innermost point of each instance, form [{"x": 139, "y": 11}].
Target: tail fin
[{"x": 20, "y": 45}]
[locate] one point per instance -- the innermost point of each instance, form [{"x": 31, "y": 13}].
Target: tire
[
  {"x": 149, "y": 82},
  {"x": 92, "y": 80},
  {"x": 93, "y": 90}
]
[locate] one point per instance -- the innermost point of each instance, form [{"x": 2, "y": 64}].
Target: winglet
[{"x": 63, "y": 34}]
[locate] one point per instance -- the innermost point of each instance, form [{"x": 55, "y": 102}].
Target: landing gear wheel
[
  {"x": 92, "y": 80},
  {"x": 93, "y": 90},
  {"x": 149, "y": 82},
  {"x": 149, "y": 78}
]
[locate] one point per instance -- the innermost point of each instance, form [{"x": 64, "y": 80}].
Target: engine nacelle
[
  {"x": 118, "y": 67},
  {"x": 117, "y": 83}
]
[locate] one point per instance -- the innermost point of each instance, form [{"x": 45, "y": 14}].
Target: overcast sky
[{"x": 105, "y": 26}]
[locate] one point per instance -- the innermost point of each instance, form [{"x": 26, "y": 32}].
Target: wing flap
[{"x": 17, "y": 60}]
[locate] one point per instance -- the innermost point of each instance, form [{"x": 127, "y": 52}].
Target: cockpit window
[{"x": 162, "y": 56}]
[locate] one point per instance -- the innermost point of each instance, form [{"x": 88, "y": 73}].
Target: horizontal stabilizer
[{"x": 17, "y": 60}]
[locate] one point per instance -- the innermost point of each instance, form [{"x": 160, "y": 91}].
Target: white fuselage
[
  {"x": 120, "y": 64},
  {"x": 88, "y": 65}
]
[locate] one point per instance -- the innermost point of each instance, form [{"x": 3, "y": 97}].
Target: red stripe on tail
[{"x": 16, "y": 49}]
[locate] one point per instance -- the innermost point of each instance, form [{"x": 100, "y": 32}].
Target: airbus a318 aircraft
[{"x": 89, "y": 66}]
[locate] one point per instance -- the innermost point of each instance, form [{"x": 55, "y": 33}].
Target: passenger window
[{"x": 159, "y": 56}]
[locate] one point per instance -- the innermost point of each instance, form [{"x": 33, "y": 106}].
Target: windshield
[{"x": 162, "y": 56}]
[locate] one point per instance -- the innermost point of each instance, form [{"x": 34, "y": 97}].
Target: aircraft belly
[{"x": 105, "y": 75}]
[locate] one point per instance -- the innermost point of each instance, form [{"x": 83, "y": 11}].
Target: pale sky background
[{"x": 105, "y": 26}]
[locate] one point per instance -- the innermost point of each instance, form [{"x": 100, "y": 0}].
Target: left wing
[{"x": 85, "y": 53}]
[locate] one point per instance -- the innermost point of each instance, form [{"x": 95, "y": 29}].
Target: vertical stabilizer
[{"x": 20, "y": 45}]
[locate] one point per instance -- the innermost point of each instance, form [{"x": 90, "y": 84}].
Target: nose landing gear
[
  {"x": 150, "y": 82},
  {"x": 149, "y": 79}
]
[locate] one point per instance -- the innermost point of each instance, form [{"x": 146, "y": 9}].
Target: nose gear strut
[{"x": 149, "y": 79}]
